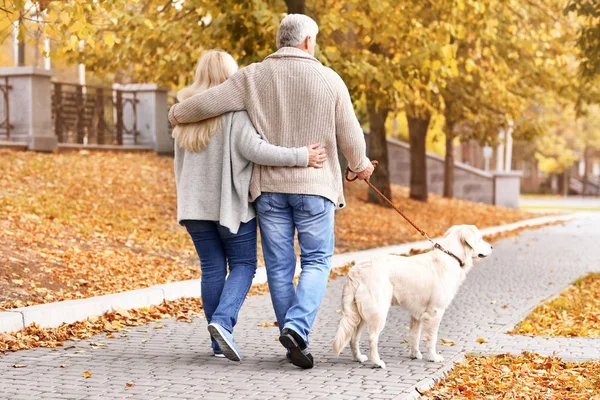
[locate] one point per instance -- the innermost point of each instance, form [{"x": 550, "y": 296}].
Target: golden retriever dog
[{"x": 424, "y": 285}]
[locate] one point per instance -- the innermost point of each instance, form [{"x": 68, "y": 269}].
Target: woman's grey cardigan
[{"x": 213, "y": 184}]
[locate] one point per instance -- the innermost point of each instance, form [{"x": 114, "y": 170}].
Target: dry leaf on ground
[
  {"x": 76, "y": 225},
  {"x": 87, "y": 374},
  {"x": 527, "y": 376},
  {"x": 575, "y": 312}
]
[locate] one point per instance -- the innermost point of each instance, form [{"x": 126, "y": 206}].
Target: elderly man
[{"x": 293, "y": 100}]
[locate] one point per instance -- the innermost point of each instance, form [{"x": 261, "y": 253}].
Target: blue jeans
[
  {"x": 222, "y": 295},
  {"x": 313, "y": 216}
]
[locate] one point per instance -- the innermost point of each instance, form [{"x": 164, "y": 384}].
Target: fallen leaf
[
  {"x": 447, "y": 342},
  {"x": 524, "y": 376},
  {"x": 266, "y": 324},
  {"x": 128, "y": 384},
  {"x": 573, "y": 313},
  {"x": 121, "y": 311},
  {"x": 19, "y": 365},
  {"x": 87, "y": 374},
  {"x": 158, "y": 327},
  {"x": 481, "y": 340}
]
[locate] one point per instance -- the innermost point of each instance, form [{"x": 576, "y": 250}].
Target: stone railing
[
  {"x": 498, "y": 188},
  {"x": 85, "y": 119}
]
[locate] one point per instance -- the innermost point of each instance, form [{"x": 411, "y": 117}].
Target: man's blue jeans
[
  {"x": 222, "y": 295},
  {"x": 313, "y": 216}
]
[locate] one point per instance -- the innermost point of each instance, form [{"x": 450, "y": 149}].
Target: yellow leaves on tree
[{"x": 554, "y": 155}]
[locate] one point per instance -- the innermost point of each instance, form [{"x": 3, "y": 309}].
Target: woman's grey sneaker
[{"x": 225, "y": 341}]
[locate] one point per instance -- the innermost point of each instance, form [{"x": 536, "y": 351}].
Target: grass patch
[
  {"x": 82, "y": 224},
  {"x": 526, "y": 376},
  {"x": 575, "y": 312},
  {"x": 559, "y": 207}
]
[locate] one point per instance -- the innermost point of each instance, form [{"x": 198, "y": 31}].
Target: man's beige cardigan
[{"x": 293, "y": 101}]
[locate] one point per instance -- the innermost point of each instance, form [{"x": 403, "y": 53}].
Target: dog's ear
[
  {"x": 449, "y": 231},
  {"x": 469, "y": 235}
]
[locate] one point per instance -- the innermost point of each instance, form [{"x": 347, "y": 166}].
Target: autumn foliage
[
  {"x": 525, "y": 376},
  {"x": 575, "y": 312},
  {"x": 75, "y": 225}
]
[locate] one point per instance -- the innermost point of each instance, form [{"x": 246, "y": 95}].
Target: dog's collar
[{"x": 451, "y": 254}]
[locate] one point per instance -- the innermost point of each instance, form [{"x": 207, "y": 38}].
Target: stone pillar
[
  {"x": 500, "y": 150},
  {"x": 507, "y": 188},
  {"x": 30, "y": 107},
  {"x": 509, "y": 147},
  {"x": 152, "y": 116}
]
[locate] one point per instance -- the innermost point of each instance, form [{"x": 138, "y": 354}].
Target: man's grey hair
[{"x": 294, "y": 29}]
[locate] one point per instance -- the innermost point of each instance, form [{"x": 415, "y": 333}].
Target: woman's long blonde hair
[{"x": 214, "y": 68}]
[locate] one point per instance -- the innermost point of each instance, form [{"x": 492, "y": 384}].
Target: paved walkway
[{"x": 174, "y": 362}]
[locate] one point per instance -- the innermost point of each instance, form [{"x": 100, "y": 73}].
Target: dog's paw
[
  {"x": 379, "y": 364},
  {"x": 416, "y": 355},
  {"x": 435, "y": 358},
  {"x": 361, "y": 358}
]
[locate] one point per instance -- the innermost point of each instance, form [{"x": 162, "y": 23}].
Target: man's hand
[
  {"x": 316, "y": 156},
  {"x": 171, "y": 116},
  {"x": 366, "y": 173}
]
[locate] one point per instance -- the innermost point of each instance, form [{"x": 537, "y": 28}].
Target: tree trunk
[
  {"x": 417, "y": 131},
  {"x": 565, "y": 185},
  {"x": 378, "y": 150},
  {"x": 449, "y": 160},
  {"x": 296, "y": 6},
  {"x": 21, "y": 44},
  {"x": 586, "y": 160}
]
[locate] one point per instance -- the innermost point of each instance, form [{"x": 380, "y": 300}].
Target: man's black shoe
[{"x": 299, "y": 353}]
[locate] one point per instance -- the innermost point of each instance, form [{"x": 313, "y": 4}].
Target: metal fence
[
  {"x": 5, "y": 125},
  {"x": 94, "y": 114}
]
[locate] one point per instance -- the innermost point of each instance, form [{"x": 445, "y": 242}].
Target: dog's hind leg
[
  {"x": 376, "y": 325},
  {"x": 431, "y": 326},
  {"x": 355, "y": 343},
  {"x": 415, "y": 338}
]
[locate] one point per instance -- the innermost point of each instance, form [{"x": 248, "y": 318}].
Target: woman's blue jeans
[{"x": 223, "y": 295}]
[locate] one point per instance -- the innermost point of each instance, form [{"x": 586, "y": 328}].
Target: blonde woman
[{"x": 213, "y": 168}]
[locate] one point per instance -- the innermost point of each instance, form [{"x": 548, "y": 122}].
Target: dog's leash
[{"x": 421, "y": 231}]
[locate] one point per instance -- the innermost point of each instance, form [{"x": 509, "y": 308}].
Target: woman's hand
[{"x": 316, "y": 156}]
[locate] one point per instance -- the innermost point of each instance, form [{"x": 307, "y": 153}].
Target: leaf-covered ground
[
  {"x": 527, "y": 376},
  {"x": 575, "y": 312},
  {"x": 80, "y": 224}
]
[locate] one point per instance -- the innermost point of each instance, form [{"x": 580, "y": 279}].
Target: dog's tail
[{"x": 350, "y": 316}]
